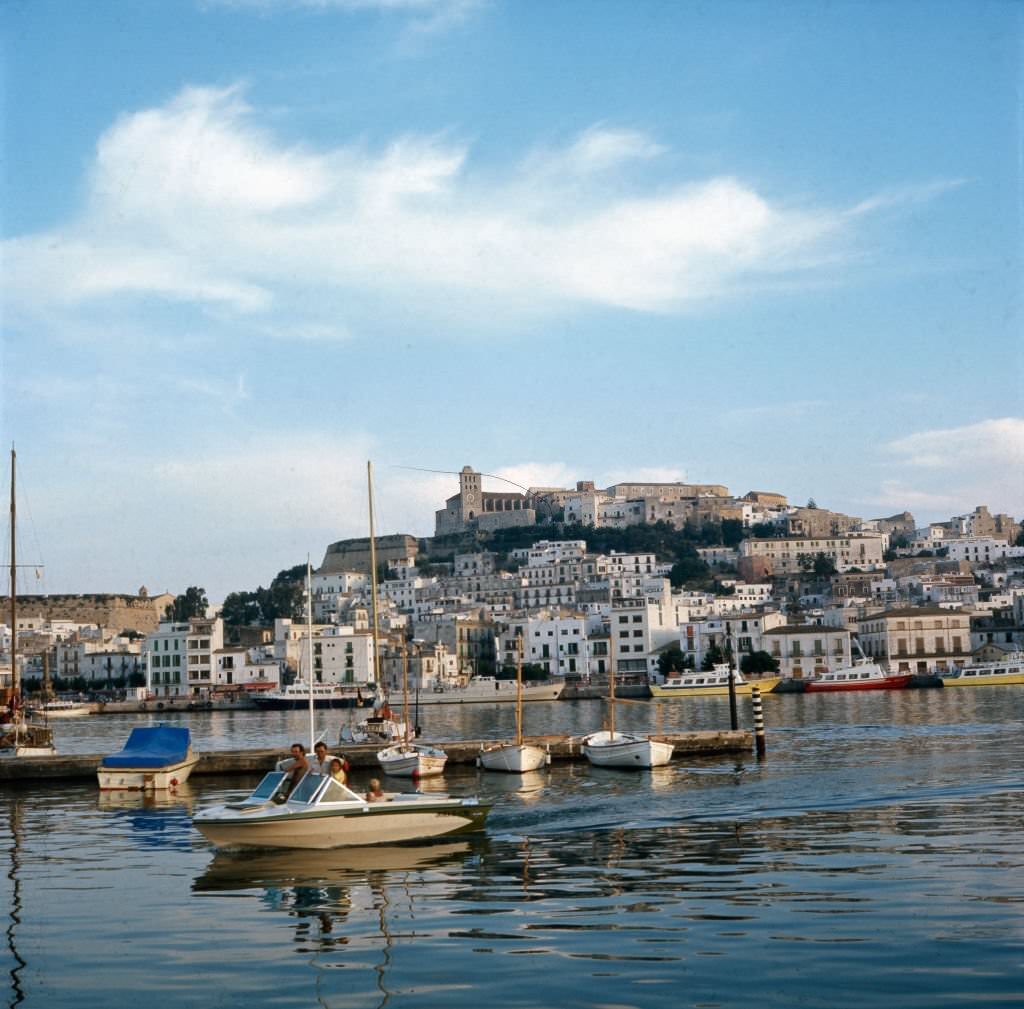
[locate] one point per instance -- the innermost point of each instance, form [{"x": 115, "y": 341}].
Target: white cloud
[
  {"x": 194, "y": 202},
  {"x": 955, "y": 469}
]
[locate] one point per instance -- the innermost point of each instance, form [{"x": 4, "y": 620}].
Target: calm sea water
[{"x": 875, "y": 858}]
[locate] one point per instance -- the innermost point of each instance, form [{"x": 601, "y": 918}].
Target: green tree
[
  {"x": 713, "y": 657},
  {"x": 191, "y": 603},
  {"x": 674, "y": 660},
  {"x": 824, "y": 566},
  {"x": 758, "y": 662},
  {"x": 689, "y": 568}
]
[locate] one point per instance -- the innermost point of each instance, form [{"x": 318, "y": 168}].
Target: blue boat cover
[{"x": 151, "y": 746}]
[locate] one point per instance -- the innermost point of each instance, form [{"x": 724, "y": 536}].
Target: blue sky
[{"x": 249, "y": 244}]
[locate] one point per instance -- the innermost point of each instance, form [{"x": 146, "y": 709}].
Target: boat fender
[
  {"x": 478, "y": 763},
  {"x": 159, "y": 705}
]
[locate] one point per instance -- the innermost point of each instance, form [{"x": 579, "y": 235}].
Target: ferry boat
[
  {"x": 710, "y": 683},
  {"x": 488, "y": 690},
  {"x": 862, "y": 675},
  {"x": 295, "y": 697},
  {"x": 1007, "y": 670}
]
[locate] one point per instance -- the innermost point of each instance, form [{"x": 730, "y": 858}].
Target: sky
[{"x": 248, "y": 245}]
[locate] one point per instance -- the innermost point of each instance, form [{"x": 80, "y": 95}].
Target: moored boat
[
  {"x": 322, "y": 813},
  {"x": 1008, "y": 670},
  {"x": 295, "y": 697},
  {"x": 623, "y": 749},
  {"x": 862, "y": 675},
  {"x": 515, "y": 757},
  {"x": 412, "y": 760},
  {"x": 488, "y": 690},
  {"x": 60, "y": 708},
  {"x": 155, "y": 758},
  {"x": 710, "y": 683}
]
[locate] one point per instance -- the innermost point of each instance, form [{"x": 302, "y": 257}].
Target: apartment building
[
  {"x": 792, "y": 556},
  {"x": 921, "y": 639},
  {"x": 804, "y": 650},
  {"x": 180, "y": 656},
  {"x": 555, "y": 639}
]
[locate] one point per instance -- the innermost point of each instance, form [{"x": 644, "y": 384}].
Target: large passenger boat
[
  {"x": 295, "y": 697},
  {"x": 710, "y": 683},
  {"x": 1007, "y": 670},
  {"x": 862, "y": 675},
  {"x": 488, "y": 690}
]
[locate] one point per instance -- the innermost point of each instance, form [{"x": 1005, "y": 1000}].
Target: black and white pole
[{"x": 759, "y": 741}]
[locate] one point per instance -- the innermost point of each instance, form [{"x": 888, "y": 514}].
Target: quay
[{"x": 563, "y": 749}]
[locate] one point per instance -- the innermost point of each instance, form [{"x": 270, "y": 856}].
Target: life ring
[{"x": 159, "y": 705}]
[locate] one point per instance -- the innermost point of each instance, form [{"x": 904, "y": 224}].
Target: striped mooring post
[{"x": 759, "y": 742}]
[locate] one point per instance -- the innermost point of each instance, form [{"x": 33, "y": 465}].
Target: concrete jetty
[{"x": 462, "y": 752}]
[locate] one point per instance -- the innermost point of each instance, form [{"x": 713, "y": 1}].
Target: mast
[
  {"x": 373, "y": 579},
  {"x": 519, "y": 690},
  {"x": 611, "y": 684},
  {"x": 15, "y": 681},
  {"x": 405, "y": 692},
  {"x": 309, "y": 647}
]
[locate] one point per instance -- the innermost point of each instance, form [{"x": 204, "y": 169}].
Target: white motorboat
[
  {"x": 322, "y": 813},
  {"x": 516, "y": 757},
  {"x": 623, "y": 749},
  {"x": 380, "y": 728},
  {"x": 155, "y": 758}
]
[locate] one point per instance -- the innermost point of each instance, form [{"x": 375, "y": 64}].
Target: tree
[
  {"x": 191, "y": 603},
  {"x": 674, "y": 660},
  {"x": 712, "y": 657},
  {"x": 758, "y": 662},
  {"x": 732, "y": 532},
  {"x": 824, "y": 566},
  {"x": 688, "y": 568}
]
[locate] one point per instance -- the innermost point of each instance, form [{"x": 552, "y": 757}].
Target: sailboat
[
  {"x": 404, "y": 759},
  {"x": 609, "y": 748},
  {"x": 517, "y": 757},
  {"x": 27, "y": 739}
]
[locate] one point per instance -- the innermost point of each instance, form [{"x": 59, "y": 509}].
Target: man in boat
[
  {"x": 296, "y": 766},
  {"x": 321, "y": 759}
]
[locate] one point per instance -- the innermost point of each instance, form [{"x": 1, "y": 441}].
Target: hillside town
[{"x": 755, "y": 579}]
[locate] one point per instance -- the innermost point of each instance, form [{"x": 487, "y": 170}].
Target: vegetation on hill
[{"x": 285, "y": 599}]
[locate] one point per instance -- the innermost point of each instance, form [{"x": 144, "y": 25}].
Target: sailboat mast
[
  {"x": 309, "y": 648},
  {"x": 519, "y": 690},
  {"x": 611, "y": 684},
  {"x": 373, "y": 578},
  {"x": 15, "y": 681},
  {"x": 405, "y": 691}
]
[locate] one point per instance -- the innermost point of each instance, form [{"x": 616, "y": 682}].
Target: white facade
[{"x": 556, "y": 641}]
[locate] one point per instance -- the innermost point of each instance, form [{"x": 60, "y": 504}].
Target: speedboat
[
  {"x": 709, "y": 683},
  {"x": 623, "y": 749},
  {"x": 1007, "y": 670},
  {"x": 322, "y": 813},
  {"x": 412, "y": 760},
  {"x": 154, "y": 757},
  {"x": 863, "y": 675}
]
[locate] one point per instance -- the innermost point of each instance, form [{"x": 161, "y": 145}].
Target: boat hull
[
  {"x": 400, "y": 820},
  {"x": 665, "y": 691},
  {"x": 145, "y": 779},
  {"x": 984, "y": 675},
  {"x": 319, "y": 703},
  {"x": 512, "y": 758},
  {"x": 504, "y": 692},
  {"x": 412, "y": 762},
  {"x": 887, "y": 683},
  {"x": 623, "y": 750}
]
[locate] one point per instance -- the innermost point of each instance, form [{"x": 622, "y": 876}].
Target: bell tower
[{"x": 471, "y": 500}]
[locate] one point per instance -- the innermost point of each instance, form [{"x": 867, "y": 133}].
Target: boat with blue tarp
[{"x": 154, "y": 757}]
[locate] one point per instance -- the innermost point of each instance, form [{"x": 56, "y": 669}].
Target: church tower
[{"x": 471, "y": 499}]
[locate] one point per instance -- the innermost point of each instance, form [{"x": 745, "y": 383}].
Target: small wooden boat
[
  {"x": 517, "y": 757},
  {"x": 322, "y": 813},
  {"x": 609, "y": 748},
  {"x": 710, "y": 683},
  {"x": 862, "y": 675},
  {"x": 155, "y": 757},
  {"x": 1005, "y": 671},
  {"x": 623, "y": 749}
]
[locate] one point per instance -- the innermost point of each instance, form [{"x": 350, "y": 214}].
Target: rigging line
[{"x": 452, "y": 472}]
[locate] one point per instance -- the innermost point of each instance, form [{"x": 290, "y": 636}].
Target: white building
[
  {"x": 181, "y": 656},
  {"x": 556, "y": 640}
]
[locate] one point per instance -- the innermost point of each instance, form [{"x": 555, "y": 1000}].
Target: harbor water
[{"x": 874, "y": 858}]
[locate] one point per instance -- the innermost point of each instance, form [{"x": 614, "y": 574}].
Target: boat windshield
[
  {"x": 268, "y": 786},
  {"x": 307, "y": 788}
]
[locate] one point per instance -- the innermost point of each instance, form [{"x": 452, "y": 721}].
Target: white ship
[{"x": 488, "y": 690}]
